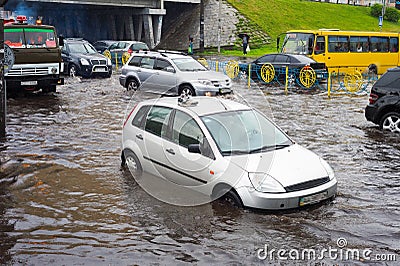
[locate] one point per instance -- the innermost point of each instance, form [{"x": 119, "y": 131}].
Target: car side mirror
[
  {"x": 170, "y": 69},
  {"x": 194, "y": 148}
]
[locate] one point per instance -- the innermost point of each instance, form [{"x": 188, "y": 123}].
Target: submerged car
[
  {"x": 81, "y": 58},
  {"x": 384, "y": 101},
  {"x": 174, "y": 73},
  {"x": 124, "y": 49},
  {"x": 279, "y": 62},
  {"x": 223, "y": 148}
]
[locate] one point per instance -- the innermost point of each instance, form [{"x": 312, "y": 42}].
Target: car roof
[
  {"x": 300, "y": 57},
  {"x": 69, "y": 40},
  {"x": 169, "y": 54},
  {"x": 199, "y": 105}
]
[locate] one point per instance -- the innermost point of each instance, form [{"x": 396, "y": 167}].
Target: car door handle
[
  {"x": 139, "y": 136},
  {"x": 171, "y": 151}
]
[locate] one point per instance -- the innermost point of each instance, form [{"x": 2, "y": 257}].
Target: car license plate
[
  {"x": 100, "y": 69},
  {"x": 224, "y": 90},
  {"x": 29, "y": 83},
  {"x": 314, "y": 198}
]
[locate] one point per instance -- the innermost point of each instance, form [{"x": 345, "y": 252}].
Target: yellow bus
[{"x": 345, "y": 51}]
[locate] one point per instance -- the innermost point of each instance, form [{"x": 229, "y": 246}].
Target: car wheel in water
[
  {"x": 133, "y": 163},
  {"x": 232, "y": 198},
  {"x": 391, "y": 122},
  {"x": 72, "y": 71},
  {"x": 132, "y": 84},
  {"x": 187, "y": 90}
]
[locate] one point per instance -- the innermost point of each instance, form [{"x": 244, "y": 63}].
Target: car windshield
[
  {"x": 244, "y": 132},
  {"x": 298, "y": 43},
  {"x": 188, "y": 64},
  {"x": 82, "y": 48}
]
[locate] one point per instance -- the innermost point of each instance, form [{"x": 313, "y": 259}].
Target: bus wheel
[{"x": 372, "y": 69}]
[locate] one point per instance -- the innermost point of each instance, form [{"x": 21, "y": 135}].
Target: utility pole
[{"x": 201, "y": 26}]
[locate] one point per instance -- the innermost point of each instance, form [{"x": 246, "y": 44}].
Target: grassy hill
[{"x": 278, "y": 16}]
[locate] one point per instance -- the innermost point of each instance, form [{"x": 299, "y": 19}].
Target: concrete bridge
[{"x": 102, "y": 19}]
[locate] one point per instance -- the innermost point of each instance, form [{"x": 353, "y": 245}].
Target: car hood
[
  {"x": 91, "y": 56},
  {"x": 210, "y": 75},
  {"x": 289, "y": 166}
]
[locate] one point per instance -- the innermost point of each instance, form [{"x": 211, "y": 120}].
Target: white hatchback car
[{"x": 223, "y": 148}]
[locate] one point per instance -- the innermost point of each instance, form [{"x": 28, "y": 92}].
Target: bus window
[
  {"x": 338, "y": 43},
  {"x": 394, "y": 44},
  {"x": 358, "y": 44},
  {"x": 320, "y": 45},
  {"x": 379, "y": 44},
  {"x": 40, "y": 38},
  {"x": 298, "y": 43}
]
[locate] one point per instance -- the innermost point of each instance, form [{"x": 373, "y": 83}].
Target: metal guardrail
[{"x": 305, "y": 78}]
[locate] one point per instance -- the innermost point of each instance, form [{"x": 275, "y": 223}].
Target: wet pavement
[{"x": 65, "y": 199}]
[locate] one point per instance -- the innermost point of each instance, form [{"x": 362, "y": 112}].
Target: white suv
[
  {"x": 219, "y": 147},
  {"x": 172, "y": 73}
]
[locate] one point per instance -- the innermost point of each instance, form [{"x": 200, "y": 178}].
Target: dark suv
[
  {"x": 384, "y": 101},
  {"x": 81, "y": 58}
]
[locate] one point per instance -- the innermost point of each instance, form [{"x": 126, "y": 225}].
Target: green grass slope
[{"x": 278, "y": 16}]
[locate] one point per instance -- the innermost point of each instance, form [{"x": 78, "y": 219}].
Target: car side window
[
  {"x": 157, "y": 120},
  {"x": 113, "y": 46},
  {"x": 147, "y": 62},
  {"x": 162, "y": 64},
  {"x": 281, "y": 58},
  {"x": 267, "y": 59},
  {"x": 185, "y": 130},
  {"x": 138, "y": 120},
  {"x": 135, "y": 61}
]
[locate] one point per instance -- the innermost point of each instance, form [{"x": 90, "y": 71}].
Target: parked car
[
  {"x": 172, "y": 73},
  {"x": 124, "y": 49},
  {"x": 81, "y": 58},
  {"x": 102, "y": 45},
  {"x": 219, "y": 147},
  {"x": 294, "y": 62},
  {"x": 384, "y": 101}
]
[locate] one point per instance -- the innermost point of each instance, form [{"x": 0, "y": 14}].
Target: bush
[
  {"x": 392, "y": 14},
  {"x": 376, "y": 10}
]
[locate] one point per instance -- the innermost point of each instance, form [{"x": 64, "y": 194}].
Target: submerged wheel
[
  {"x": 72, "y": 71},
  {"x": 267, "y": 72},
  {"x": 133, "y": 163},
  {"x": 187, "y": 90},
  {"x": 391, "y": 122},
  {"x": 307, "y": 76},
  {"x": 132, "y": 84},
  {"x": 232, "y": 198}
]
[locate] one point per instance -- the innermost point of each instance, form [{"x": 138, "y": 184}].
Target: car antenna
[{"x": 223, "y": 105}]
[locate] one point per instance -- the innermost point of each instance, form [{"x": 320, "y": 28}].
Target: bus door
[{"x": 319, "y": 49}]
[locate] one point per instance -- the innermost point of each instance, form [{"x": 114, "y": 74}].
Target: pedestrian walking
[
  {"x": 245, "y": 42},
  {"x": 190, "y": 48}
]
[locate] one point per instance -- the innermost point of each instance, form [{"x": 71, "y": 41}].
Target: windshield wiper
[
  {"x": 235, "y": 152},
  {"x": 270, "y": 148}
]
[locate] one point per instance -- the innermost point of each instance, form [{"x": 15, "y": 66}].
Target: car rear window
[{"x": 390, "y": 79}]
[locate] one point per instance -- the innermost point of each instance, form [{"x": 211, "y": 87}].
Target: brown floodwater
[{"x": 65, "y": 200}]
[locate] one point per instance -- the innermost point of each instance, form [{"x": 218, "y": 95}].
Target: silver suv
[{"x": 172, "y": 73}]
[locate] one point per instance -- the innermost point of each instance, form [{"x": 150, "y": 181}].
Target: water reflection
[{"x": 72, "y": 203}]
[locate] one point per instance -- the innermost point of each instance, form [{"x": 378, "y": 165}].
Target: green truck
[{"x": 38, "y": 64}]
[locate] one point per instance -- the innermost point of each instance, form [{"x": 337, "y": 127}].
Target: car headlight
[
  {"x": 265, "y": 183},
  {"x": 84, "y": 62},
  {"x": 109, "y": 61},
  {"x": 205, "y": 82},
  {"x": 328, "y": 168}
]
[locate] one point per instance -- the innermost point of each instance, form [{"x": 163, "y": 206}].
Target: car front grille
[
  {"x": 221, "y": 83},
  {"x": 307, "y": 185},
  {"x": 31, "y": 71},
  {"x": 98, "y": 62}
]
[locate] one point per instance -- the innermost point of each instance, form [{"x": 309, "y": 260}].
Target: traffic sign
[{"x": 9, "y": 58}]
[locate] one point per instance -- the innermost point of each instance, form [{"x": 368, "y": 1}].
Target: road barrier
[{"x": 305, "y": 78}]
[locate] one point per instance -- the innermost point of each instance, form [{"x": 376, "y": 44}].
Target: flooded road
[{"x": 65, "y": 199}]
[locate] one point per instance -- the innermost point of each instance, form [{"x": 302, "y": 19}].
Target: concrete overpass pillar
[
  {"x": 139, "y": 28},
  {"x": 130, "y": 28},
  {"x": 152, "y": 31}
]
